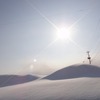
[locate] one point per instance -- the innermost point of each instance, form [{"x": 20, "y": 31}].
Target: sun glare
[{"x": 63, "y": 33}]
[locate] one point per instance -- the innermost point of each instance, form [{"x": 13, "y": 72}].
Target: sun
[{"x": 63, "y": 33}]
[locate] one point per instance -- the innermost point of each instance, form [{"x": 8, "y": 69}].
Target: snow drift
[{"x": 75, "y": 71}]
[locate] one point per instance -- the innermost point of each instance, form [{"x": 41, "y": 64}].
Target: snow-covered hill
[
  {"x": 75, "y": 71},
  {"x": 81, "y": 88}
]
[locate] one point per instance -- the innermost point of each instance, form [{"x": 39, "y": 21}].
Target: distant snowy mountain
[
  {"x": 75, "y": 71},
  {"x": 7, "y": 80}
]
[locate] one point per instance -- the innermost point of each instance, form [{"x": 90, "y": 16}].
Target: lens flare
[
  {"x": 34, "y": 60},
  {"x": 31, "y": 67}
]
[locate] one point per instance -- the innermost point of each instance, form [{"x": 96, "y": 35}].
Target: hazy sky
[{"x": 28, "y": 32}]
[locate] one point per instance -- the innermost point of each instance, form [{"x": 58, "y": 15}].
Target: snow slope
[{"x": 81, "y": 88}]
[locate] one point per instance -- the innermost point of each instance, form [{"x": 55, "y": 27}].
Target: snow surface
[{"x": 81, "y": 88}]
